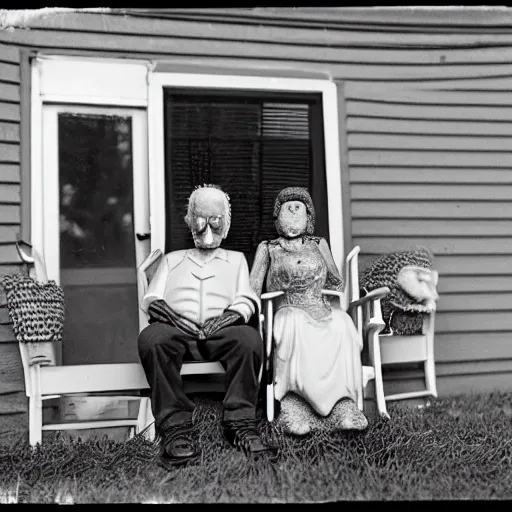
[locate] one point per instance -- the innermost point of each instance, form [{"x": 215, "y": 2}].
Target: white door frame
[{"x": 158, "y": 81}]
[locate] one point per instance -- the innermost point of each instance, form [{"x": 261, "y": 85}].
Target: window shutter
[{"x": 286, "y": 158}]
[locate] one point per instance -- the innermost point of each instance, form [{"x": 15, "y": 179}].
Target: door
[{"x": 95, "y": 184}]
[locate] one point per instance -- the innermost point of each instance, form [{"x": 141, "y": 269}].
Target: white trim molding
[
  {"x": 160, "y": 80},
  {"x": 36, "y": 161},
  {"x": 89, "y": 81}
]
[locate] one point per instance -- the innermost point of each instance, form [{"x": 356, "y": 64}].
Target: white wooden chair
[
  {"x": 45, "y": 380},
  {"x": 368, "y": 326},
  {"x": 353, "y": 304},
  {"x": 418, "y": 348}
]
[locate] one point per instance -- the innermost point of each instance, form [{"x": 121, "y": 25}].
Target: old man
[{"x": 199, "y": 303}]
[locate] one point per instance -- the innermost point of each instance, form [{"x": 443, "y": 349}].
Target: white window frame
[
  {"x": 86, "y": 85},
  {"x": 160, "y": 80}
]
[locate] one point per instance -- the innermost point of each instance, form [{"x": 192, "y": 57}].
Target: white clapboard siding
[
  {"x": 404, "y": 208},
  {"x": 431, "y": 227},
  {"x": 9, "y": 173},
  {"x": 10, "y": 189},
  {"x": 450, "y": 385},
  {"x": 421, "y": 142},
  {"x": 437, "y": 175},
  {"x": 9, "y": 193},
  {"x": 434, "y": 168},
  {"x": 474, "y": 283},
  {"x": 9, "y": 132},
  {"x": 440, "y": 192},
  {"x": 478, "y": 346},
  {"x": 454, "y": 244},
  {"x": 435, "y": 127},
  {"x": 481, "y": 265}
]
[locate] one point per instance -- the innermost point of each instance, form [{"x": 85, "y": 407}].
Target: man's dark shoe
[
  {"x": 178, "y": 445},
  {"x": 243, "y": 435}
]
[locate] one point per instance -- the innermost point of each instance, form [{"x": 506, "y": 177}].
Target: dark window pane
[
  {"x": 252, "y": 147},
  {"x": 96, "y": 191},
  {"x": 97, "y": 247}
]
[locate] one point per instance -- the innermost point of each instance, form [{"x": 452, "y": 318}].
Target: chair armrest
[
  {"x": 153, "y": 256},
  {"x": 335, "y": 293},
  {"x": 30, "y": 260},
  {"x": 271, "y": 295},
  {"x": 377, "y": 294},
  {"x": 375, "y": 324}
]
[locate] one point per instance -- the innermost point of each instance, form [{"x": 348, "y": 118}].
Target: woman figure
[{"x": 318, "y": 371}]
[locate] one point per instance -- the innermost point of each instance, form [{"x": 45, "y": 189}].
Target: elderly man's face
[
  {"x": 293, "y": 219},
  {"x": 208, "y": 217}
]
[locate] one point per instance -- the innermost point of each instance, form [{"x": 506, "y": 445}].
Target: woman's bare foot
[
  {"x": 345, "y": 415},
  {"x": 294, "y": 415}
]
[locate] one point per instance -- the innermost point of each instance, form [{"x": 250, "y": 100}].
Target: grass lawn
[{"x": 458, "y": 448}]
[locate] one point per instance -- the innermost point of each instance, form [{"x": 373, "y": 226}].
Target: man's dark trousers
[{"x": 162, "y": 350}]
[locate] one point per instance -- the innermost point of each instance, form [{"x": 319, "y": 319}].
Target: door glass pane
[
  {"x": 250, "y": 145},
  {"x": 97, "y": 247}
]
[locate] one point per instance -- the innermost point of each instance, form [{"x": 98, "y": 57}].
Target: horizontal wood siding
[
  {"x": 9, "y": 153},
  {"x": 428, "y": 121},
  {"x": 434, "y": 168},
  {"x": 13, "y": 401}
]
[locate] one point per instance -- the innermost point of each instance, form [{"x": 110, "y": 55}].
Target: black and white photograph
[{"x": 256, "y": 255}]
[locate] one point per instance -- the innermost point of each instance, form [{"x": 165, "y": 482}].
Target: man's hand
[
  {"x": 212, "y": 325},
  {"x": 160, "y": 311}
]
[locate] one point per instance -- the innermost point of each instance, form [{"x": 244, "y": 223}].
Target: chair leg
[
  {"x": 379, "y": 394},
  {"x": 360, "y": 398},
  {"x": 430, "y": 369},
  {"x": 145, "y": 419},
  {"x": 150, "y": 422},
  {"x": 377, "y": 365},
  {"x": 270, "y": 402},
  {"x": 35, "y": 408},
  {"x": 142, "y": 416},
  {"x": 35, "y": 432},
  {"x": 430, "y": 377},
  {"x": 35, "y": 421}
]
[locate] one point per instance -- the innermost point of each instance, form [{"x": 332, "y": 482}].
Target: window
[
  {"x": 250, "y": 145},
  {"x": 96, "y": 191},
  {"x": 200, "y": 126}
]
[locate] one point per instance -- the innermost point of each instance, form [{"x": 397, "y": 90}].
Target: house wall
[
  {"x": 13, "y": 402},
  {"x": 433, "y": 167},
  {"x": 426, "y": 152}
]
